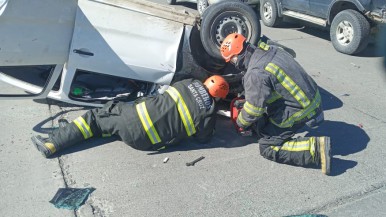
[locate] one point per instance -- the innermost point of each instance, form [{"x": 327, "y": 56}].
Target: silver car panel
[{"x": 130, "y": 39}]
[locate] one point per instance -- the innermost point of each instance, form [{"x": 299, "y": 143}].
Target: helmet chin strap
[{"x": 244, "y": 57}]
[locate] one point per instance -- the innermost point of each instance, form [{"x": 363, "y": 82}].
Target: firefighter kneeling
[
  {"x": 280, "y": 98},
  {"x": 187, "y": 108}
]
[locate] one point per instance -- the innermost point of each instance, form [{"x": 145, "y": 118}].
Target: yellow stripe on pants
[{"x": 147, "y": 124}]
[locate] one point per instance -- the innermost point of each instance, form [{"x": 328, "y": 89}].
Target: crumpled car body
[{"x": 88, "y": 52}]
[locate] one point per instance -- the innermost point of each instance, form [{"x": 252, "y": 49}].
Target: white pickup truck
[{"x": 87, "y": 52}]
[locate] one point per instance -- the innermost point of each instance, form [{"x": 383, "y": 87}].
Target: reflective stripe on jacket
[
  {"x": 178, "y": 113},
  {"x": 276, "y": 85}
]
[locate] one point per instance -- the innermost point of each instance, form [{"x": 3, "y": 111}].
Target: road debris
[
  {"x": 166, "y": 160},
  {"x": 355, "y": 65},
  {"x": 195, "y": 161},
  {"x": 71, "y": 198}
]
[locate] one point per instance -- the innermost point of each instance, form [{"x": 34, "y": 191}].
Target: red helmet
[
  {"x": 232, "y": 45},
  {"x": 217, "y": 86}
]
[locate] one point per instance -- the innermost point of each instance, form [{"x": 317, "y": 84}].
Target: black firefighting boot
[
  {"x": 323, "y": 154},
  {"x": 47, "y": 146},
  {"x": 44, "y": 145},
  {"x": 68, "y": 134}
]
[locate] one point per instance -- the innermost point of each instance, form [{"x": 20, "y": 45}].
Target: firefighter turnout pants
[
  {"x": 113, "y": 119},
  {"x": 277, "y": 144}
]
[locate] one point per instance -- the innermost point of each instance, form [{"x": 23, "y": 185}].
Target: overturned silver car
[{"x": 87, "y": 52}]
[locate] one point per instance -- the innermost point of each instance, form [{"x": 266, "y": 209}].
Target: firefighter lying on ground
[
  {"x": 280, "y": 98},
  {"x": 187, "y": 108}
]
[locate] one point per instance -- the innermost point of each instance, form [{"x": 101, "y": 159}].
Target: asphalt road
[{"x": 233, "y": 179}]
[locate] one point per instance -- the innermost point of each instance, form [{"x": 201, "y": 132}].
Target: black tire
[
  {"x": 202, "y": 5},
  {"x": 269, "y": 13},
  {"x": 350, "y": 32},
  {"x": 171, "y": 2},
  {"x": 212, "y": 65},
  {"x": 223, "y": 18}
]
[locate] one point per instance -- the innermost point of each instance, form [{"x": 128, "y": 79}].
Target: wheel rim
[
  {"x": 227, "y": 23},
  {"x": 344, "y": 33},
  {"x": 267, "y": 11}
]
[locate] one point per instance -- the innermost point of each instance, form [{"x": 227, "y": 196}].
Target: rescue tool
[{"x": 235, "y": 108}]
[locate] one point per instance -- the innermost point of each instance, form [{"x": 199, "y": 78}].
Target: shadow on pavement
[
  {"x": 329, "y": 101},
  {"x": 225, "y": 137},
  {"x": 90, "y": 143},
  {"x": 346, "y": 139},
  {"x": 40, "y": 126}
]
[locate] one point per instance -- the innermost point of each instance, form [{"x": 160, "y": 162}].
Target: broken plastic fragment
[{"x": 71, "y": 198}]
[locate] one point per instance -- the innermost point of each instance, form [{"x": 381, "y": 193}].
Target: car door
[
  {"x": 296, "y": 5},
  {"x": 319, "y": 8},
  {"x": 119, "y": 38},
  {"x": 34, "y": 45}
]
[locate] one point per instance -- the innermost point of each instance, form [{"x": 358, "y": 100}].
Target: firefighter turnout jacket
[
  {"x": 185, "y": 109},
  {"x": 277, "y": 86},
  {"x": 280, "y": 99}
]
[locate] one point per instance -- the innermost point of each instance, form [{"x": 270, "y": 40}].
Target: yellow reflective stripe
[
  {"x": 147, "y": 124},
  {"x": 307, "y": 145},
  {"x": 274, "y": 96},
  {"x": 300, "y": 114},
  {"x": 312, "y": 148},
  {"x": 263, "y": 45},
  {"x": 296, "y": 146},
  {"x": 106, "y": 135},
  {"x": 182, "y": 110},
  {"x": 253, "y": 110},
  {"x": 88, "y": 129},
  {"x": 50, "y": 146},
  {"x": 241, "y": 119},
  {"x": 288, "y": 84},
  {"x": 83, "y": 127}
]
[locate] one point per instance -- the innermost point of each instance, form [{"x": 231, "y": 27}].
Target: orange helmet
[
  {"x": 217, "y": 86},
  {"x": 232, "y": 45}
]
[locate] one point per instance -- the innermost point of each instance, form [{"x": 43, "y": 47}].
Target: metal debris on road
[{"x": 195, "y": 161}]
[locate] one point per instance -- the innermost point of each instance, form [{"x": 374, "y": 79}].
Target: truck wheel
[
  {"x": 171, "y": 2},
  {"x": 201, "y": 6},
  {"x": 269, "y": 13},
  {"x": 226, "y": 17},
  {"x": 350, "y": 32}
]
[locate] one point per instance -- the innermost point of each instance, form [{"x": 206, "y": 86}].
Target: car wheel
[
  {"x": 171, "y": 2},
  {"x": 201, "y": 6},
  {"x": 206, "y": 61},
  {"x": 269, "y": 13},
  {"x": 226, "y": 17},
  {"x": 350, "y": 32}
]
